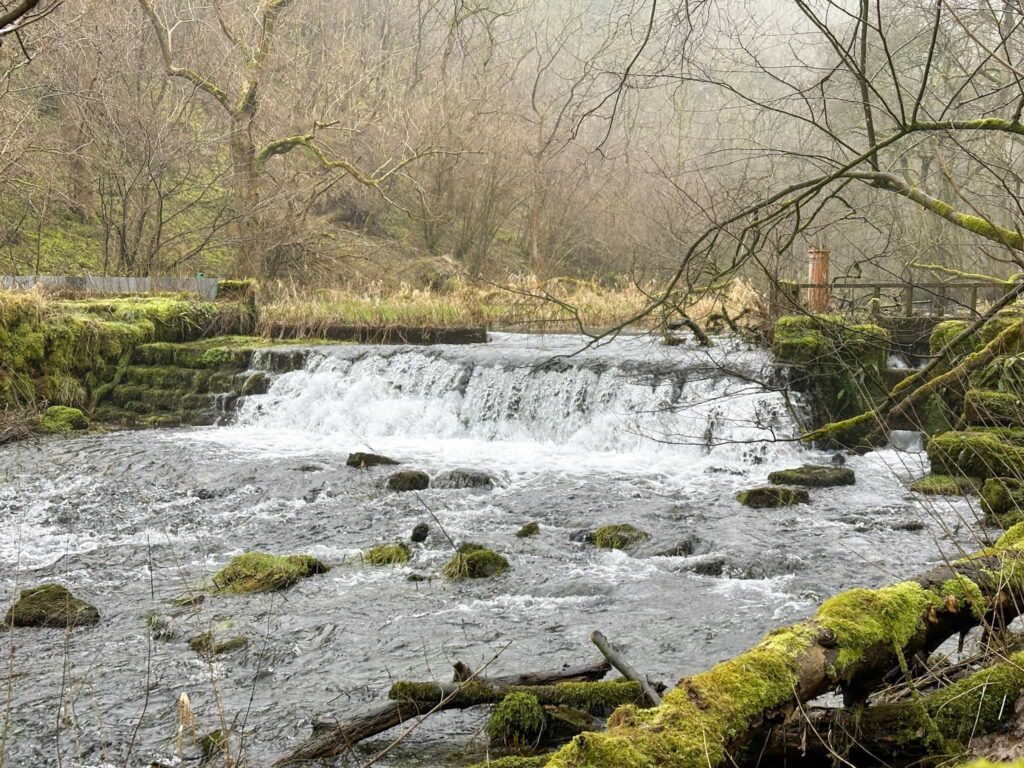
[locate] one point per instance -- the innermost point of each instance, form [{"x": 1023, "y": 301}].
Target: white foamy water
[{"x": 528, "y": 402}]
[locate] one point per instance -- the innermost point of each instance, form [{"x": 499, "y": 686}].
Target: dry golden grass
[{"x": 525, "y": 303}]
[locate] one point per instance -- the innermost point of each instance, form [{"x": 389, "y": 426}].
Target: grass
[{"x": 525, "y": 303}]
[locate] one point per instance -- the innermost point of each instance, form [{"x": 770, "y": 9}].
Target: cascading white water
[{"x": 632, "y": 395}]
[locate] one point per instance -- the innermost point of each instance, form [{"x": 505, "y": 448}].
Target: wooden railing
[{"x": 952, "y": 299}]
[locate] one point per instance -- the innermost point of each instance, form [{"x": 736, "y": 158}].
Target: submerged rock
[
  {"x": 813, "y": 476},
  {"x": 60, "y": 419},
  {"x": 262, "y": 572},
  {"x": 387, "y": 554},
  {"x": 474, "y": 561},
  {"x": 530, "y": 529},
  {"x": 361, "y": 460},
  {"x": 419, "y": 533},
  {"x": 409, "y": 480},
  {"x": 619, "y": 536},
  {"x": 208, "y": 645},
  {"x": 50, "y": 605},
  {"x": 767, "y": 496},
  {"x": 690, "y": 545},
  {"x": 464, "y": 478}
]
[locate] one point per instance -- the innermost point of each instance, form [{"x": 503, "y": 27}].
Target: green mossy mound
[
  {"x": 813, "y": 476},
  {"x": 387, "y": 554},
  {"x": 528, "y": 530},
  {"x": 262, "y": 572},
  {"x": 517, "y": 721},
  {"x": 62, "y": 419},
  {"x": 50, "y": 605},
  {"x": 618, "y": 536},
  {"x": 976, "y": 453},
  {"x": 768, "y": 496},
  {"x": 515, "y": 761},
  {"x": 1002, "y": 501},
  {"x": 943, "y": 334},
  {"x": 840, "y": 367},
  {"x": 945, "y": 485},
  {"x": 993, "y": 409},
  {"x": 208, "y": 645},
  {"x": 474, "y": 561}
]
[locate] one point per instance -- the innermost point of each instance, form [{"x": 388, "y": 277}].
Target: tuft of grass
[
  {"x": 474, "y": 561},
  {"x": 387, "y": 554},
  {"x": 262, "y": 572}
]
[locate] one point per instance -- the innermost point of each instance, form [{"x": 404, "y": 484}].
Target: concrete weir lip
[{"x": 392, "y": 334}]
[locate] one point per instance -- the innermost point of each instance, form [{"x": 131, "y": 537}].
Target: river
[{"x": 633, "y": 431}]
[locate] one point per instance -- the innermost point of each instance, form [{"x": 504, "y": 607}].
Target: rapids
[{"x": 628, "y": 432}]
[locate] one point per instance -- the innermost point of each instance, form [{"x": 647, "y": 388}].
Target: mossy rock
[
  {"x": 262, "y": 572},
  {"x": 993, "y": 409},
  {"x": 474, "y": 561},
  {"x": 50, "y": 605},
  {"x": 975, "y": 453},
  {"x": 419, "y": 534},
  {"x": 517, "y": 721},
  {"x": 813, "y": 476},
  {"x": 943, "y": 334},
  {"x": 457, "y": 479},
  {"x": 945, "y": 485},
  {"x": 528, "y": 530},
  {"x": 361, "y": 460},
  {"x": 387, "y": 554},
  {"x": 769, "y": 496},
  {"x": 61, "y": 419},
  {"x": 1002, "y": 500},
  {"x": 516, "y": 761},
  {"x": 408, "y": 480},
  {"x": 208, "y": 645},
  {"x": 618, "y": 536}
]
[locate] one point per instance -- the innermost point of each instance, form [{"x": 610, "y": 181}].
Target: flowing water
[{"x": 629, "y": 432}]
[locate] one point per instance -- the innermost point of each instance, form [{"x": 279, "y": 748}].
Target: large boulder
[
  {"x": 50, "y": 605},
  {"x": 1002, "y": 500},
  {"x": 409, "y": 480},
  {"x": 813, "y": 476},
  {"x": 767, "y": 496},
  {"x": 464, "y": 478},
  {"x": 361, "y": 460},
  {"x": 980, "y": 453},
  {"x": 945, "y": 485},
  {"x": 262, "y": 572}
]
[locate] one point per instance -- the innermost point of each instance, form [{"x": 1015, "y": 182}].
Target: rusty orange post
[{"x": 817, "y": 276}]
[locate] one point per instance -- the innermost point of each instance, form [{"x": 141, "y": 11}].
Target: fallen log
[
  {"x": 932, "y": 724},
  {"x": 337, "y": 739},
  {"x": 850, "y": 644}
]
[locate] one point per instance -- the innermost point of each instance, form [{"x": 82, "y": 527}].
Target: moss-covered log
[
  {"x": 850, "y": 644},
  {"x": 933, "y": 724},
  {"x": 339, "y": 739}
]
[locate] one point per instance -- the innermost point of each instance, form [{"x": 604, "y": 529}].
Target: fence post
[{"x": 817, "y": 276}]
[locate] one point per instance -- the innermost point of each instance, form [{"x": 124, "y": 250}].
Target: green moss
[
  {"x": 474, "y": 561},
  {"x": 208, "y": 645},
  {"x": 50, "y": 605},
  {"x": 866, "y": 620},
  {"x": 1012, "y": 538},
  {"x": 60, "y": 419},
  {"x": 966, "y": 592},
  {"x": 619, "y": 536},
  {"x": 767, "y": 496},
  {"x": 702, "y": 715},
  {"x": 528, "y": 530},
  {"x": 976, "y": 453},
  {"x": 942, "y": 336},
  {"x": 262, "y": 572},
  {"x": 813, "y": 476},
  {"x": 993, "y": 408},
  {"x": 387, "y": 554},
  {"x": 1002, "y": 500},
  {"x": 979, "y": 703},
  {"x": 945, "y": 485},
  {"x": 515, "y": 761},
  {"x": 517, "y": 721}
]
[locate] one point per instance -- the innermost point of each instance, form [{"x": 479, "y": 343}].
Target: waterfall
[{"x": 630, "y": 395}]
